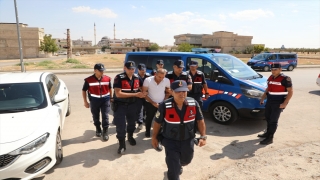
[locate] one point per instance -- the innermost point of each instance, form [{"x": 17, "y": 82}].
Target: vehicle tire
[
  {"x": 223, "y": 113},
  {"x": 59, "y": 151},
  {"x": 69, "y": 108},
  {"x": 266, "y": 68},
  {"x": 290, "y": 68}
]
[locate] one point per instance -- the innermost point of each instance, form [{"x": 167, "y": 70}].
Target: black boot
[
  {"x": 131, "y": 140},
  {"x": 268, "y": 140},
  {"x": 98, "y": 131},
  {"x": 122, "y": 146},
  {"x": 105, "y": 136}
]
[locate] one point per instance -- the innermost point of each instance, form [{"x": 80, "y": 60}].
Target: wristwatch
[{"x": 203, "y": 137}]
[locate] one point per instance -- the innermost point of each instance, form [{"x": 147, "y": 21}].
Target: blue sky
[{"x": 292, "y": 23}]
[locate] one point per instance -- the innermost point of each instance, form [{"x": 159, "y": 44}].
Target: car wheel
[
  {"x": 266, "y": 68},
  {"x": 223, "y": 113},
  {"x": 290, "y": 68},
  {"x": 59, "y": 151},
  {"x": 69, "y": 108}
]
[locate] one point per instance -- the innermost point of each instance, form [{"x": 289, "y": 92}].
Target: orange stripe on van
[
  {"x": 238, "y": 96},
  {"x": 230, "y": 93}
]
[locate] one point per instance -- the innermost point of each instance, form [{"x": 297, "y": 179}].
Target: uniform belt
[{"x": 124, "y": 103}]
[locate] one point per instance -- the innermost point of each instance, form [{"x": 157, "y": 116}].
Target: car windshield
[
  {"x": 20, "y": 97},
  {"x": 235, "y": 67},
  {"x": 261, "y": 57}
]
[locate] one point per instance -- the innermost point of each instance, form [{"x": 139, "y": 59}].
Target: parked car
[
  {"x": 263, "y": 61},
  {"x": 33, "y": 107},
  {"x": 234, "y": 88},
  {"x": 77, "y": 54},
  {"x": 318, "y": 80}
]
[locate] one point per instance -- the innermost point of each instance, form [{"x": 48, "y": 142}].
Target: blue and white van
[
  {"x": 263, "y": 61},
  {"x": 234, "y": 88}
]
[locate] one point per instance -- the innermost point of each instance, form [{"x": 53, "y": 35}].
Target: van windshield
[
  {"x": 261, "y": 57},
  {"x": 235, "y": 67}
]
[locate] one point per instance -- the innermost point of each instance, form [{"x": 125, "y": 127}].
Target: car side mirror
[
  {"x": 59, "y": 98},
  {"x": 214, "y": 75}
]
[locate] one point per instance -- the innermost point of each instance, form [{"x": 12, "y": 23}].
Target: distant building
[
  {"x": 30, "y": 40},
  {"x": 105, "y": 41},
  {"x": 193, "y": 39},
  {"x": 226, "y": 41}
]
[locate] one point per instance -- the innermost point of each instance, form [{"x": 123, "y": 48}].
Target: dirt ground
[{"x": 116, "y": 61}]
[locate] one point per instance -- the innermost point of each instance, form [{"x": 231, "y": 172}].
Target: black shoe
[
  {"x": 122, "y": 146},
  {"x": 105, "y": 136},
  {"x": 147, "y": 134},
  {"x": 268, "y": 140},
  {"x": 98, "y": 131},
  {"x": 131, "y": 140},
  {"x": 264, "y": 135},
  {"x": 181, "y": 171}
]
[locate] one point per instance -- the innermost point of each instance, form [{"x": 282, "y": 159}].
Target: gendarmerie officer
[
  {"x": 278, "y": 93},
  {"x": 142, "y": 74},
  {"x": 198, "y": 83},
  {"x": 179, "y": 74},
  {"x": 178, "y": 116},
  {"x": 126, "y": 86},
  {"x": 98, "y": 87},
  {"x": 160, "y": 65}
]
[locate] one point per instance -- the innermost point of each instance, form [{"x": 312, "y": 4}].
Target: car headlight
[
  {"x": 251, "y": 92},
  {"x": 32, "y": 146}
]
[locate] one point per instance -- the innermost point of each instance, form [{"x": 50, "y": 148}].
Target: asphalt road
[{"x": 87, "y": 157}]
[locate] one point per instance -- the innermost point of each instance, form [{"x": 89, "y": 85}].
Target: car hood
[
  {"x": 260, "y": 83},
  {"x": 253, "y": 60},
  {"x": 16, "y": 126}
]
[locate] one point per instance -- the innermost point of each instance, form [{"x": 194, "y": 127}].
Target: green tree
[
  {"x": 154, "y": 47},
  {"x": 48, "y": 44},
  {"x": 185, "y": 47},
  {"x": 258, "y": 48},
  {"x": 103, "y": 48}
]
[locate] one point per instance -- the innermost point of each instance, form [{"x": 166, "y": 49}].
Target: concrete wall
[{"x": 30, "y": 39}]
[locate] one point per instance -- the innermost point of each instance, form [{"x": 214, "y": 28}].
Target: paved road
[{"x": 86, "y": 157}]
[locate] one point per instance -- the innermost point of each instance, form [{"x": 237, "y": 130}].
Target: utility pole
[
  {"x": 95, "y": 39},
  {"x": 19, "y": 38},
  {"x": 69, "y": 49}
]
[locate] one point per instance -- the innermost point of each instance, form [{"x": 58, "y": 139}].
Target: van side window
[
  {"x": 272, "y": 57},
  {"x": 139, "y": 59},
  {"x": 167, "y": 61},
  {"x": 203, "y": 65},
  {"x": 281, "y": 56}
]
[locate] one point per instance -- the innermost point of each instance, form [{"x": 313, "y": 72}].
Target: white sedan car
[
  {"x": 318, "y": 80},
  {"x": 33, "y": 107}
]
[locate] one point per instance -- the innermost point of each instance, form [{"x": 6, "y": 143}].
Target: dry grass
[{"x": 114, "y": 61}]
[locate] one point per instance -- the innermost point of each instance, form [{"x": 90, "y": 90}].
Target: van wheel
[
  {"x": 59, "y": 151},
  {"x": 266, "y": 68},
  {"x": 290, "y": 68},
  {"x": 223, "y": 113},
  {"x": 69, "y": 108}
]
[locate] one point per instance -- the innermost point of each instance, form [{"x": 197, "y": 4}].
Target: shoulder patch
[
  {"x": 199, "y": 72},
  {"x": 288, "y": 78},
  {"x": 135, "y": 75},
  {"x": 170, "y": 72},
  {"x": 122, "y": 76},
  {"x": 184, "y": 73}
]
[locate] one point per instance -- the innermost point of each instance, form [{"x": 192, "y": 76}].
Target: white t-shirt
[{"x": 156, "y": 92}]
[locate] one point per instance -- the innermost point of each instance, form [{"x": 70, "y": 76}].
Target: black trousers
[
  {"x": 198, "y": 98},
  {"x": 150, "y": 112},
  {"x": 272, "y": 114},
  {"x": 178, "y": 153},
  {"x": 124, "y": 118},
  {"x": 100, "y": 105}
]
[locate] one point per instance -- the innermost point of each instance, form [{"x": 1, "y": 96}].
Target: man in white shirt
[{"x": 158, "y": 88}]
